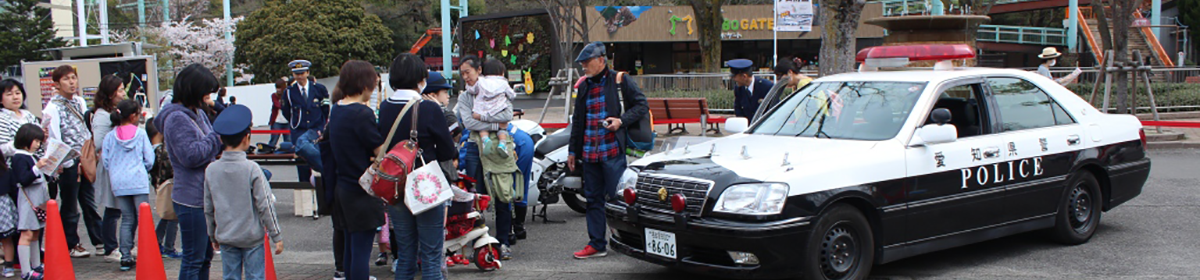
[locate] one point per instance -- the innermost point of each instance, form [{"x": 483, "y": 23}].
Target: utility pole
[
  {"x": 1072, "y": 23},
  {"x": 81, "y": 17},
  {"x": 228, "y": 38},
  {"x": 448, "y": 34},
  {"x": 103, "y": 21}
]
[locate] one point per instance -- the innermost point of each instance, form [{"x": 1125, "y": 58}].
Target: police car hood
[{"x": 769, "y": 158}]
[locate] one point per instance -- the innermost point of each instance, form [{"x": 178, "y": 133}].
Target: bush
[{"x": 1165, "y": 94}]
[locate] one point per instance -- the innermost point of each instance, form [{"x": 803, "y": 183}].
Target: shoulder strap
[
  {"x": 412, "y": 132},
  {"x": 620, "y": 93},
  {"x": 396, "y": 124},
  {"x": 72, "y": 109}
]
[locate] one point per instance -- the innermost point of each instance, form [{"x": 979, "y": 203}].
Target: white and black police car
[{"x": 871, "y": 167}]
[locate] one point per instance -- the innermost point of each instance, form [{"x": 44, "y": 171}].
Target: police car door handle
[
  {"x": 1073, "y": 140},
  {"x": 991, "y": 152}
]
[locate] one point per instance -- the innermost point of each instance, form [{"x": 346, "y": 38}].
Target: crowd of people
[{"x": 192, "y": 158}]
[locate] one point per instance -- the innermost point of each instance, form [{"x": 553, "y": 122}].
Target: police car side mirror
[
  {"x": 940, "y": 116},
  {"x": 934, "y": 134},
  {"x": 736, "y": 125}
]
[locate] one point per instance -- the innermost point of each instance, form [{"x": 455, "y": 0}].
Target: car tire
[
  {"x": 575, "y": 201},
  {"x": 841, "y": 246},
  {"x": 1079, "y": 210}
]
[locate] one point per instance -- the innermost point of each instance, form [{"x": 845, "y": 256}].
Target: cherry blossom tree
[{"x": 188, "y": 42}]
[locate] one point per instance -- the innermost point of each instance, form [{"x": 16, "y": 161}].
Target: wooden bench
[{"x": 677, "y": 112}]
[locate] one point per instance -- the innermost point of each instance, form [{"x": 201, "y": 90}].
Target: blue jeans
[
  {"x": 251, "y": 260},
  {"x": 166, "y": 230},
  {"x": 197, "y": 251},
  {"x": 306, "y": 148},
  {"x": 420, "y": 237},
  {"x": 275, "y": 137},
  {"x": 599, "y": 184},
  {"x": 358, "y": 254},
  {"x": 109, "y": 225},
  {"x": 129, "y": 220},
  {"x": 474, "y": 168}
]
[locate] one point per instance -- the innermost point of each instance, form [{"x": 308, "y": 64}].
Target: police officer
[
  {"x": 749, "y": 91},
  {"x": 302, "y": 108}
]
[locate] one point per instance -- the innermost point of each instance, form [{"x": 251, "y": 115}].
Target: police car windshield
[{"x": 844, "y": 110}]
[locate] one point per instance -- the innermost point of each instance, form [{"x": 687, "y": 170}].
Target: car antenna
[
  {"x": 785, "y": 159},
  {"x": 712, "y": 151},
  {"x": 745, "y": 152},
  {"x": 686, "y": 145}
]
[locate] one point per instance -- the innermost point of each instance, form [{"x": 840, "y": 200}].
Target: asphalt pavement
[{"x": 1151, "y": 237}]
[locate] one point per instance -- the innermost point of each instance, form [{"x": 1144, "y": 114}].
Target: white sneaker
[
  {"x": 114, "y": 257},
  {"x": 80, "y": 252}
]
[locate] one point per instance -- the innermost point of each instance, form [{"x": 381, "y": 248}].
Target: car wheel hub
[
  {"x": 839, "y": 252},
  {"x": 1080, "y": 208}
]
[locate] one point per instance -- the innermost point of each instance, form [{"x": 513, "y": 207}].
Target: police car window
[
  {"x": 844, "y": 110},
  {"x": 965, "y": 109},
  {"x": 1023, "y": 105}
]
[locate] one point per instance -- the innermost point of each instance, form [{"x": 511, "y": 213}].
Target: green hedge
[{"x": 1165, "y": 94}]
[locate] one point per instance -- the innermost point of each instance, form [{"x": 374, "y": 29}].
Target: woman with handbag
[
  {"x": 110, "y": 92},
  {"x": 193, "y": 144},
  {"x": 421, "y": 236},
  {"x": 354, "y": 140}
]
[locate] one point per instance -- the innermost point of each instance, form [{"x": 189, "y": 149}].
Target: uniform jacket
[
  {"x": 746, "y": 102},
  {"x": 635, "y": 106},
  {"x": 305, "y": 113}
]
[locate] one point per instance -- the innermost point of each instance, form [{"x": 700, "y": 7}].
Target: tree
[
  {"x": 1189, "y": 14},
  {"x": 569, "y": 24},
  {"x": 1122, "y": 20},
  {"x": 708, "y": 21},
  {"x": 839, "y": 23},
  {"x": 190, "y": 43},
  {"x": 325, "y": 32},
  {"x": 27, "y": 29}
]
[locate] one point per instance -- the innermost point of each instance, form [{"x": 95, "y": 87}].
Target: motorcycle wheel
[
  {"x": 575, "y": 201},
  {"x": 487, "y": 258}
]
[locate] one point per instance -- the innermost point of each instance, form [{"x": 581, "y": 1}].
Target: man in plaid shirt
[{"x": 598, "y": 138}]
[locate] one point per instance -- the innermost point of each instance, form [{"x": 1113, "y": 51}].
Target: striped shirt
[
  {"x": 599, "y": 144},
  {"x": 10, "y": 122}
]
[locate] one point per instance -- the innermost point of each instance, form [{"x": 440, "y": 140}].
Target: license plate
[{"x": 660, "y": 243}]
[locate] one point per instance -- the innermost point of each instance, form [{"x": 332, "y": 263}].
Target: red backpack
[{"x": 391, "y": 170}]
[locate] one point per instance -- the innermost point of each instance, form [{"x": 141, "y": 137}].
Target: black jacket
[{"x": 635, "y": 109}]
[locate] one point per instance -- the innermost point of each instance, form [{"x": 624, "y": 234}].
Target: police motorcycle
[{"x": 551, "y": 175}]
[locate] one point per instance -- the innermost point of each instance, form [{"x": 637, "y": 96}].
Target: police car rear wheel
[
  {"x": 1079, "y": 211},
  {"x": 841, "y": 246}
]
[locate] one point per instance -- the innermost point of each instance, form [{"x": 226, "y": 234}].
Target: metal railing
[
  {"x": 919, "y": 7},
  {"x": 1022, "y": 35},
  {"x": 1175, "y": 89}
]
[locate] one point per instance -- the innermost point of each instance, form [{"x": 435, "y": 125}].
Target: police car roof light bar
[{"x": 899, "y": 56}]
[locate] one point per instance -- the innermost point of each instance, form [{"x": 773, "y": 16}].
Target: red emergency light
[
  {"x": 917, "y": 52},
  {"x": 630, "y": 196},
  {"x": 678, "y": 202}
]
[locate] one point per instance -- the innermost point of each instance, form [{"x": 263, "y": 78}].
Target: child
[
  {"x": 31, "y": 199},
  {"x": 438, "y": 90},
  {"x": 493, "y": 99},
  {"x": 128, "y": 155},
  {"x": 238, "y": 228},
  {"x": 161, "y": 175}
]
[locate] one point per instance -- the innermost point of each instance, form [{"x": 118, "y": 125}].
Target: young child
[
  {"x": 438, "y": 90},
  {"x": 31, "y": 199},
  {"x": 128, "y": 156},
  {"x": 161, "y": 176},
  {"x": 493, "y": 99},
  {"x": 238, "y": 227}
]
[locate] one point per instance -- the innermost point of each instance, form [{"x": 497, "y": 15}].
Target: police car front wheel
[
  {"x": 1079, "y": 211},
  {"x": 840, "y": 246}
]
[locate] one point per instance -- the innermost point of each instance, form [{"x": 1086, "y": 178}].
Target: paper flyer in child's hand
[{"x": 57, "y": 153}]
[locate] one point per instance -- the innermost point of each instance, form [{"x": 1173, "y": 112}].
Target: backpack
[{"x": 387, "y": 177}]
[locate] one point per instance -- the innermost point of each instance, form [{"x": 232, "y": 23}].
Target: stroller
[{"x": 465, "y": 226}]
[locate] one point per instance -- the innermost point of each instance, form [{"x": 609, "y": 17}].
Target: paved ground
[{"x": 1150, "y": 237}]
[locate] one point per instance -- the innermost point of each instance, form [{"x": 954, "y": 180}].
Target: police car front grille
[{"x": 695, "y": 190}]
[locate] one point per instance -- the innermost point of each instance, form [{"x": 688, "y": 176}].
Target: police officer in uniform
[
  {"x": 749, "y": 91},
  {"x": 302, "y": 108}
]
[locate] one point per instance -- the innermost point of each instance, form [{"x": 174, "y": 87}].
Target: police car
[{"x": 871, "y": 167}]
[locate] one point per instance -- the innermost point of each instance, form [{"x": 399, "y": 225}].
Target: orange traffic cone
[
  {"x": 58, "y": 258},
  {"x": 270, "y": 262},
  {"x": 150, "y": 264}
]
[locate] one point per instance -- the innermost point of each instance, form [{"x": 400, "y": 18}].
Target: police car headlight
[
  {"x": 753, "y": 199},
  {"x": 628, "y": 180}
]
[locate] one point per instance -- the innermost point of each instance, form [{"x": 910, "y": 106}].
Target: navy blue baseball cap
[
  {"x": 233, "y": 120},
  {"x": 435, "y": 82},
  {"x": 739, "y": 66},
  {"x": 593, "y": 50}
]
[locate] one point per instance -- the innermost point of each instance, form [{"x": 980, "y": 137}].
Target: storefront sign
[{"x": 794, "y": 15}]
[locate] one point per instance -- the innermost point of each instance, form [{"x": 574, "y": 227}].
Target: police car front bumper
[{"x": 703, "y": 245}]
